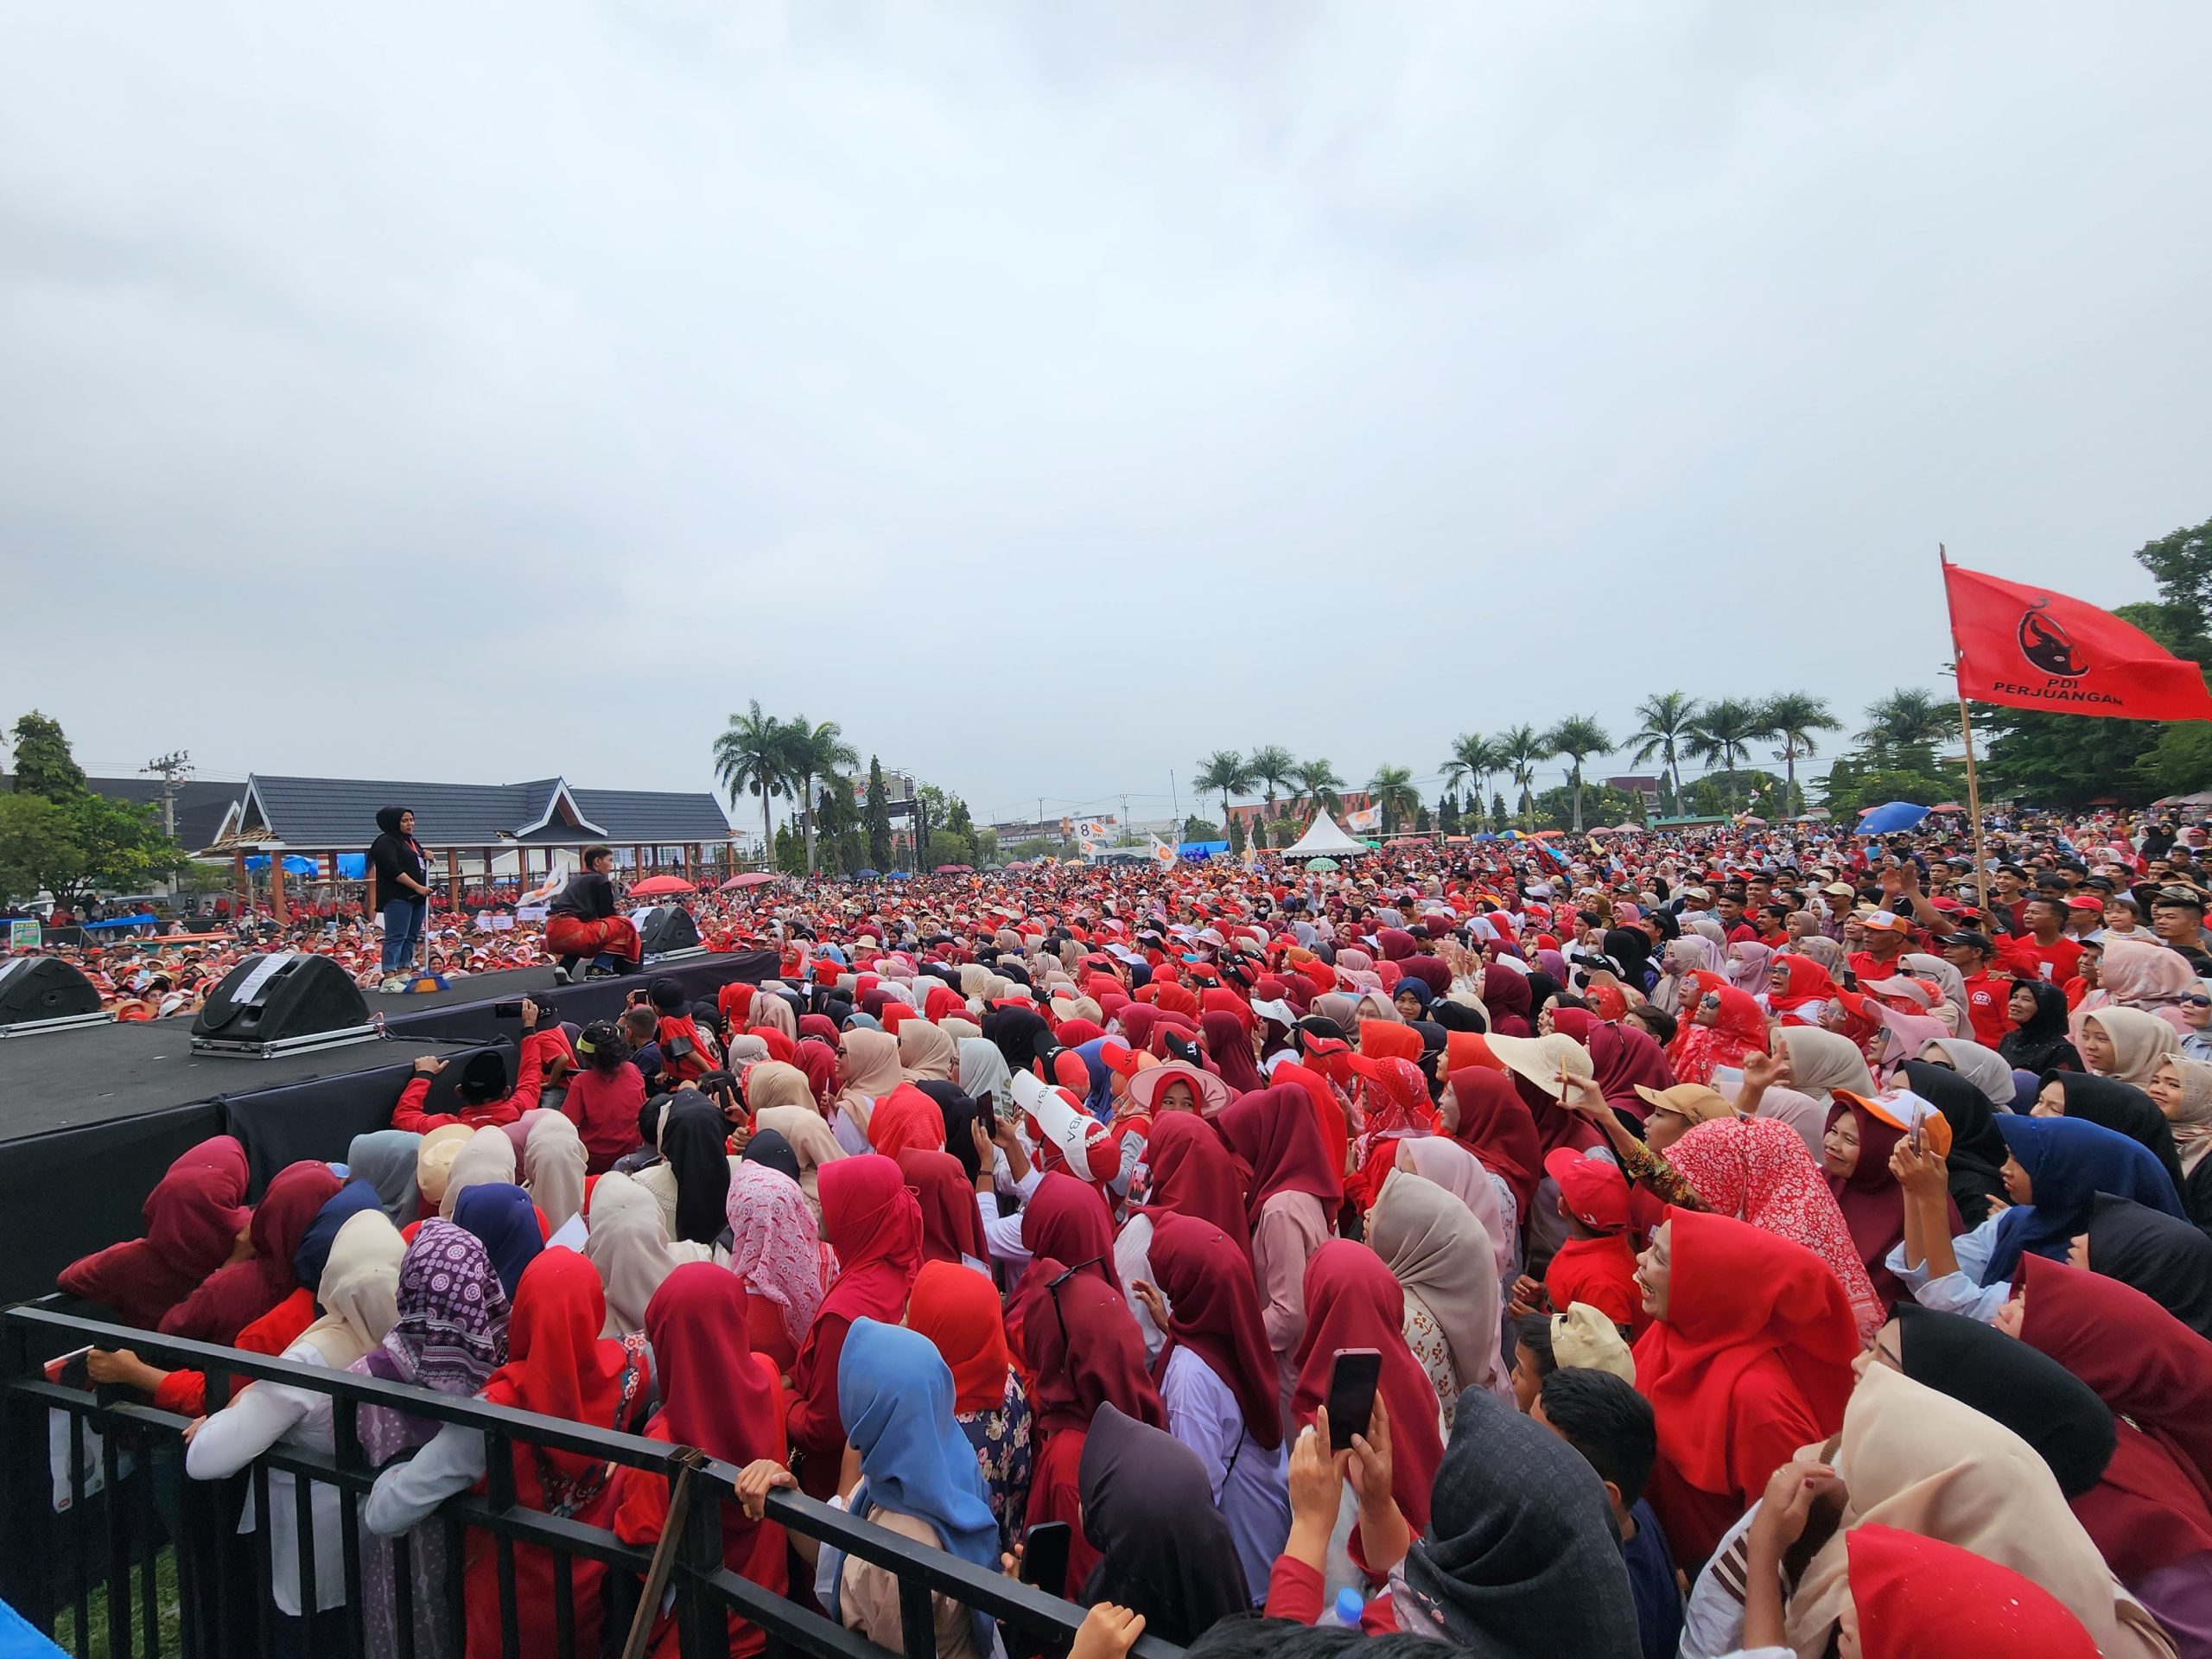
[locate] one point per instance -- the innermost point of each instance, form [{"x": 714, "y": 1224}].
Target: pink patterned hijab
[{"x": 774, "y": 1246}]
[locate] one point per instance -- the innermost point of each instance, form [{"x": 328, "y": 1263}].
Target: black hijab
[
  {"x": 2123, "y": 1108},
  {"x": 1456, "y": 1016},
  {"x": 2029, "y": 1392},
  {"x": 1020, "y": 1034},
  {"x": 2168, "y": 1261},
  {"x": 1631, "y": 948},
  {"x": 960, "y": 1112},
  {"x": 695, "y": 1141},
  {"x": 1978, "y": 1151},
  {"x": 2043, "y": 1044},
  {"x": 1520, "y": 1561},
  {"x": 769, "y": 1148},
  {"x": 1164, "y": 1549}
]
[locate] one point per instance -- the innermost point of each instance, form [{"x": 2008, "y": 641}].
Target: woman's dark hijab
[
  {"x": 314, "y": 1254},
  {"x": 770, "y": 1150},
  {"x": 2112, "y": 1104},
  {"x": 960, "y": 1112},
  {"x": 1631, "y": 948},
  {"x": 1978, "y": 1151},
  {"x": 694, "y": 1141},
  {"x": 1456, "y": 1016},
  {"x": 2043, "y": 1044},
  {"x": 2168, "y": 1259},
  {"x": 1521, "y": 1559},
  {"x": 1165, "y": 1551},
  {"x": 1020, "y": 1035},
  {"x": 2029, "y": 1392}
]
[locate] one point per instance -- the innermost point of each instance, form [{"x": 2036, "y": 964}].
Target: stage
[{"x": 462, "y": 1011}]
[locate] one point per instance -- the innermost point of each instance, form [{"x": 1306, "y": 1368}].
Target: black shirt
[
  {"x": 392, "y": 856},
  {"x": 588, "y": 894}
]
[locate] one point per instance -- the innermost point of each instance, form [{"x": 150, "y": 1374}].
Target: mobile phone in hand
[
  {"x": 1352, "y": 1377},
  {"x": 1044, "y": 1556}
]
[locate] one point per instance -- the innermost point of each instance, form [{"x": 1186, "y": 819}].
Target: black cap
[
  {"x": 1972, "y": 941},
  {"x": 483, "y": 1077}
]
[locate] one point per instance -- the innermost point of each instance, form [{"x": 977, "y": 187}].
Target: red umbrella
[
  {"x": 655, "y": 887},
  {"x": 750, "y": 879}
]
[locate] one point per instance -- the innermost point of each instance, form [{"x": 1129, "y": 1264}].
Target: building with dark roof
[{"x": 201, "y": 806}]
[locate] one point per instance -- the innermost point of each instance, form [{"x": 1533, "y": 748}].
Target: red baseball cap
[{"x": 1593, "y": 1189}]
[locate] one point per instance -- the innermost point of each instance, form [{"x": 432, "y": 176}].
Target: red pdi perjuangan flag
[{"x": 2029, "y": 648}]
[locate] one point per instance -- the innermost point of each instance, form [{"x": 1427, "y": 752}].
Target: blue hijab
[
  {"x": 314, "y": 1254},
  {"x": 2069, "y": 1162},
  {"x": 1099, "y": 1102},
  {"x": 895, "y": 1393},
  {"x": 503, "y": 1219}
]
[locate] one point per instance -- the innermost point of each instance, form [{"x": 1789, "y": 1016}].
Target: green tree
[
  {"x": 1553, "y": 809},
  {"x": 1578, "y": 737},
  {"x": 43, "y": 764},
  {"x": 1669, "y": 719},
  {"x": 1237, "y": 836},
  {"x": 1725, "y": 732},
  {"x": 1317, "y": 786},
  {"x": 876, "y": 818},
  {"x": 753, "y": 756},
  {"x": 2181, "y": 564},
  {"x": 1197, "y": 829},
  {"x": 1794, "y": 717},
  {"x": 1474, "y": 758},
  {"x": 1270, "y": 767},
  {"x": 1522, "y": 750},
  {"x": 39, "y": 850},
  {"x": 791, "y": 850},
  {"x": 1903, "y": 728},
  {"x": 837, "y": 826},
  {"x": 1447, "y": 814},
  {"x": 122, "y": 844},
  {"x": 1734, "y": 792},
  {"x": 1224, "y": 772},
  {"x": 1497, "y": 814},
  {"x": 812, "y": 751},
  {"x": 1392, "y": 789},
  {"x": 947, "y": 847}
]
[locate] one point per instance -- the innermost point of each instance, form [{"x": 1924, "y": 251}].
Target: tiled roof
[{"x": 325, "y": 814}]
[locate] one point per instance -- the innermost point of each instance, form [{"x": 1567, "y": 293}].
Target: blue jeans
[{"x": 403, "y": 932}]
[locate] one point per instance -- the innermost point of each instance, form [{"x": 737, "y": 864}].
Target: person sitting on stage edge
[
  {"x": 687, "y": 1053},
  {"x": 581, "y": 921},
  {"x": 486, "y": 1102}
]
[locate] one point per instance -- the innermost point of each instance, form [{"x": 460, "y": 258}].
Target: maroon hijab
[
  {"x": 1068, "y": 1221},
  {"x": 951, "y": 1226},
  {"x": 1082, "y": 1346},
  {"x": 1213, "y": 1309},
  {"x": 192, "y": 1215},
  {"x": 1624, "y": 1057},
  {"x": 1228, "y": 1044},
  {"x": 1495, "y": 1124},
  {"x": 1505, "y": 994},
  {"x": 1194, "y": 1174},
  {"x": 1873, "y": 1203},
  {"x": 234, "y": 1297},
  {"x": 1276, "y": 1135}
]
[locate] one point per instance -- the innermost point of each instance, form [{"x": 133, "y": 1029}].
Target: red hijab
[
  {"x": 1624, "y": 1057},
  {"x": 1084, "y": 1350},
  {"x": 192, "y": 1215},
  {"x": 1805, "y": 981},
  {"x": 819, "y": 1061},
  {"x": 1496, "y": 1126},
  {"x": 1505, "y": 994},
  {"x": 1194, "y": 1174},
  {"x": 1389, "y": 1039},
  {"x": 906, "y": 1120},
  {"x": 1067, "y": 1220},
  {"x": 1276, "y": 1135},
  {"x": 715, "y": 1393},
  {"x": 558, "y": 1365},
  {"x": 1214, "y": 1310},
  {"x": 233, "y": 1297},
  {"x": 1352, "y": 1300},
  {"x": 951, "y": 1226},
  {"x": 874, "y": 1225},
  {"x": 1737, "y": 1293},
  {"x": 817, "y": 1027},
  {"x": 1229, "y": 1043},
  {"x": 957, "y": 1309},
  {"x": 1983, "y": 1607}
]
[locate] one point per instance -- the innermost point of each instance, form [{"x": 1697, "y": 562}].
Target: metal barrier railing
[{"x": 53, "y": 1558}]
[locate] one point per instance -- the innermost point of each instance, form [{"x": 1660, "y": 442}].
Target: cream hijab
[
  {"x": 553, "y": 1169},
  {"x": 984, "y": 1077},
  {"x": 1924, "y": 1463},
  {"x": 2139, "y": 1042},
  {"x": 872, "y": 1071},
  {"x": 926, "y": 1054},
  {"x": 1446, "y": 1163},
  {"x": 1441, "y": 1255},
  {"x": 433, "y": 1159},
  {"x": 628, "y": 1244},
  {"x": 2191, "y": 1117},
  {"x": 810, "y": 1142},
  {"x": 772, "y": 1013},
  {"x": 486, "y": 1158},
  {"x": 1823, "y": 1060},
  {"x": 359, "y": 1292},
  {"x": 770, "y": 1083},
  {"x": 1984, "y": 1068}
]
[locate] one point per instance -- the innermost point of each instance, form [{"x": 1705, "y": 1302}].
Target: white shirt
[
  {"x": 1250, "y": 1484},
  {"x": 260, "y": 1416},
  {"x": 1002, "y": 1234},
  {"x": 1961, "y": 1291}
]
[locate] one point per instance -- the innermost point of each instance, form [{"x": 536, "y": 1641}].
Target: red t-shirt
[
  {"x": 2057, "y": 962},
  {"x": 1600, "y": 1272},
  {"x": 1988, "y": 998}
]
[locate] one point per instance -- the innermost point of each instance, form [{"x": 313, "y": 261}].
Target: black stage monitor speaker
[
  {"x": 668, "y": 928},
  {"x": 44, "y": 987},
  {"x": 280, "y": 998}
]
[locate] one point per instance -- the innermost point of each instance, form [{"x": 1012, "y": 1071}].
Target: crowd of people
[{"x": 1753, "y": 1243}]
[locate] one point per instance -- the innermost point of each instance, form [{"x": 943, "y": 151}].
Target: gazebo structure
[{"x": 486, "y": 830}]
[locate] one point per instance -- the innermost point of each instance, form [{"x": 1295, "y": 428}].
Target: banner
[
  {"x": 2029, "y": 648},
  {"x": 1162, "y": 854},
  {"x": 1091, "y": 828},
  {"x": 23, "y": 934},
  {"x": 1368, "y": 820}
]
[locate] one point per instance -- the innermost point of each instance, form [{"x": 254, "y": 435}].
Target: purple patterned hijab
[{"x": 450, "y": 1336}]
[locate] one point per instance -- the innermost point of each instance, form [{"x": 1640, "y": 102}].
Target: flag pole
[{"x": 1966, "y": 734}]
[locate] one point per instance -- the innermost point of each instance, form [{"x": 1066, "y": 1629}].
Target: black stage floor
[{"x": 462, "y": 1011}]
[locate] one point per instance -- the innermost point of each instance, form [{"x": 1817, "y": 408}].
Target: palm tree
[
  {"x": 753, "y": 756},
  {"x": 1667, "y": 720},
  {"x": 1794, "y": 717},
  {"x": 1270, "y": 767},
  {"x": 1725, "y": 731},
  {"x": 1908, "y": 718},
  {"x": 812, "y": 751},
  {"x": 1224, "y": 770},
  {"x": 1474, "y": 758},
  {"x": 1578, "y": 737},
  {"x": 1521, "y": 749},
  {"x": 1393, "y": 791},
  {"x": 1317, "y": 784}
]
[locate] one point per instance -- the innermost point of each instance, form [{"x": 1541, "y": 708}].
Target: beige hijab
[
  {"x": 1984, "y": 1068},
  {"x": 772, "y": 1013},
  {"x": 872, "y": 1071},
  {"x": 2191, "y": 1117},
  {"x": 1823, "y": 1060},
  {"x": 433, "y": 1159},
  {"x": 2142, "y": 973},
  {"x": 777, "y": 1082},
  {"x": 628, "y": 1243},
  {"x": 926, "y": 1054},
  {"x": 553, "y": 1169},
  {"x": 810, "y": 1141},
  {"x": 1444, "y": 1257},
  {"x": 2139, "y": 1041},
  {"x": 1922, "y": 1462},
  {"x": 486, "y": 1158},
  {"x": 359, "y": 1292}
]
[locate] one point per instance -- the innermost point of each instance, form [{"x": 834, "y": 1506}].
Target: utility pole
[
  {"x": 173, "y": 768},
  {"x": 1175, "y": 806}
]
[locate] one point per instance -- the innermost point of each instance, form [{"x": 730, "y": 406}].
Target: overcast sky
[{"x": 1051, "y": 394}]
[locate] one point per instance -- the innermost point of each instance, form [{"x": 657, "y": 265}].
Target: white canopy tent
[{"x": 1324, "y": 839}]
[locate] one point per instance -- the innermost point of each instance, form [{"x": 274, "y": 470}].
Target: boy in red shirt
[{"x": 1595, "y": 1265}]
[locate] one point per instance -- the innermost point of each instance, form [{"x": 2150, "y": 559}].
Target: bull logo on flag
[{"x": 2045, "y": 642}]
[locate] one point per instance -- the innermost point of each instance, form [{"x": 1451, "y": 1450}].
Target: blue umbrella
[
  {"x": 901, "y": 875},
  {"x": 864, "y": 875},
  {"x": 1890, "y": 816}
]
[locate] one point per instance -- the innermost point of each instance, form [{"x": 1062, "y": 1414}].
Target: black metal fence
[{"x": 99, "y": 1558}]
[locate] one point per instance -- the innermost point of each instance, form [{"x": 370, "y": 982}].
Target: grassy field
[{"x": 96, "y": 1645}]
